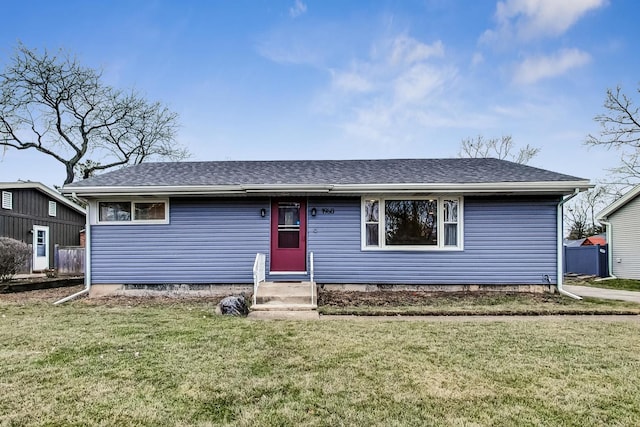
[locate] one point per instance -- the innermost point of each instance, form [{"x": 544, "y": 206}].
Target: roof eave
[
  {"x": 615, "y": 206},
  {"x": 551, "y": 187},
  {"x": 544, "y": 187},
  {"x": 46, "y": 190}
]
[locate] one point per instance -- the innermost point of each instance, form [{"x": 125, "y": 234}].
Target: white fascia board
[
  {"x": 613, "y": 207},
  {"x": 303, "y": 188},
  {"x": 496, "y": 187},
  {"x": 493, "y": 187},
  {"x": 150, "y": 191},
  {"x": 194, "y": 190},
  {"x": 44, "y": 189}
]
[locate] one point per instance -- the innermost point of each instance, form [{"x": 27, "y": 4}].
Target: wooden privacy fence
[{"x": 69, "y": 260}]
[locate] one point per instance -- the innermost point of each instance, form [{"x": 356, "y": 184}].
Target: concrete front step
[
  {"x": 278, "y": 306},
  {"x": 286, "y": 293},
  {"x": 285, "y": 288},
  {"x": 284, "y": 315},
  {"x": 282, "y": 299}
]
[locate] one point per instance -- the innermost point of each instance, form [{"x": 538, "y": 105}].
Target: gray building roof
[
  {"x": 20, "y": 185},
  {"x": 323, "y": 172},
  {"x": 620, "y": 203}
]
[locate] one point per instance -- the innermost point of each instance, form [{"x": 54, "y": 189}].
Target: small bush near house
[{"x": 13, "y": 255}]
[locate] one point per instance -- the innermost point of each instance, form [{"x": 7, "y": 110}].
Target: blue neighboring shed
[{"x": 394, "y": 221}]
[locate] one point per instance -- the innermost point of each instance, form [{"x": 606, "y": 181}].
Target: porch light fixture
[
  {"x": 263, "y": 212},
  {"x": 313, "y": 211}
]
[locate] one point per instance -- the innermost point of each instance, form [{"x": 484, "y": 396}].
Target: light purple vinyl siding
[
  {"x": 206, "y": 241},
  {"x": 506, "y": 241}
]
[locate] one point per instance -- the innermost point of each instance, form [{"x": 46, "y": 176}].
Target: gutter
[
  {"x": 87, "y": 259},
  {"x": 609, "y": 251},
  {"x": 560, "y": 261},
  {"x": 348, "y": 189}
]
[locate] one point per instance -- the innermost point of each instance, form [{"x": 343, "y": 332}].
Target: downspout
[
  {"x": 609, "y": 251},
  {"x": 87, "y": 258},
  {"x": 560, "y": 267}
]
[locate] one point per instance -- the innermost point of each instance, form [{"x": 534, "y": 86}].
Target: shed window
[
  {"x": 7, "y": 200},
  {"x": 52, "y": 208},
  {"x": 151, "y": 212},
  {"x": 411, "y": 223}
]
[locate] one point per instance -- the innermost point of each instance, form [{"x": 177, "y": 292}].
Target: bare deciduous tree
[
  {"x": 58, "y": 107},
  {"x": 580, "y": 212},
  {"x": 501, "y": 148},
  {"x": 620, "y": 129}
]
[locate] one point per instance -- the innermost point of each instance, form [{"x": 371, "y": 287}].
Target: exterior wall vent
[
  {"x": 7, "y": 200},
  {"x": 52, "y": 208}
]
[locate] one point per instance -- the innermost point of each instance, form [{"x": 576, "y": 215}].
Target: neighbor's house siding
[
  {"x": 31, "y": 207},
  {"x": 506, "y": 241},
  {"x": 206, "y": 241},
  {"x": 625, "y": 240}
]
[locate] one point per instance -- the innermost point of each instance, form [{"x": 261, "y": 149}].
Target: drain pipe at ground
[
  {"x": 560, "y": 269},
  {"x": 87, "y": 258},
  {"x": 609, "y": 251}
]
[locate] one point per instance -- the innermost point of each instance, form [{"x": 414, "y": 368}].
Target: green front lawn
[{"x": 176, "y": 364}]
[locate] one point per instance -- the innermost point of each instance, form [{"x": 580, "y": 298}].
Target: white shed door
[{"x": 40, "y": 247}]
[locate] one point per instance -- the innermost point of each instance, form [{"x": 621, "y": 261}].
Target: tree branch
[{"x": 56, "y": 106}]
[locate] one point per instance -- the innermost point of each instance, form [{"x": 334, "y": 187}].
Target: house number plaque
[{"x": 326, "y": 211}]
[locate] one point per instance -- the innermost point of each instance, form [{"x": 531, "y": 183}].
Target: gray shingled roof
[{"x": 320, "y": 172}]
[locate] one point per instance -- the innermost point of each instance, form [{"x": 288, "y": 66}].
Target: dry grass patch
[
  {"x": 384, "y": 303},
  {"x": 177, "y": 364}
]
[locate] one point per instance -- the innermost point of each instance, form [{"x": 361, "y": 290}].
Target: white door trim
[{"x": 41, "y": 262}]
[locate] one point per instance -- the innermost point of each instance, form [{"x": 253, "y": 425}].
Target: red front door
[{"x": 288, "y": 235}]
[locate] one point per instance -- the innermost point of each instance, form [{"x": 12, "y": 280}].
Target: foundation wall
[
  {"x": 171, "y": 290},
  {"x": 547, "y": 288},
  {"x": 216, "y": 290}
]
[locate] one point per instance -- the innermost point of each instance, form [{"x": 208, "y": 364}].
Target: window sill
[
  {"x": 159, "y": 222},
  {"x": 412, "y": 249}
]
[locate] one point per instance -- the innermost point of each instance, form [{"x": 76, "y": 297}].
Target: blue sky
[{"x": 324, "y": 79}]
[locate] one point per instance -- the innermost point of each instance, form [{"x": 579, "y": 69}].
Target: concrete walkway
[
  {"x": 587, "y": 291},
  {"x": 29, "y": 276}
]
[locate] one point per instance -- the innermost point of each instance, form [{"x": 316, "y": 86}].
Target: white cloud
[
  {"x": 298, "y": 8},
  {"x": 398, "y": 69},
  {"x": 351, "y": 81},
  {"x": 407, "y": 50},
  {"x": 385, "y": 97},
  {"x": 533, "y": 19},
  {"x": 477, "y": 59},
  {"x": 371, "y": 122},
  {"x": 417, "y": 83},
  {"x": 536, "y": 68},
  {"x": 281, "y": 47}
]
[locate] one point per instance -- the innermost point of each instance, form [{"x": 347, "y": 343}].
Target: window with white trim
[
  {"x": 127, "y": 211},
  {"x": 415, "y": 223},
  {"x": 7, "y": 200},
  {"x": 53, "y": 208}
]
